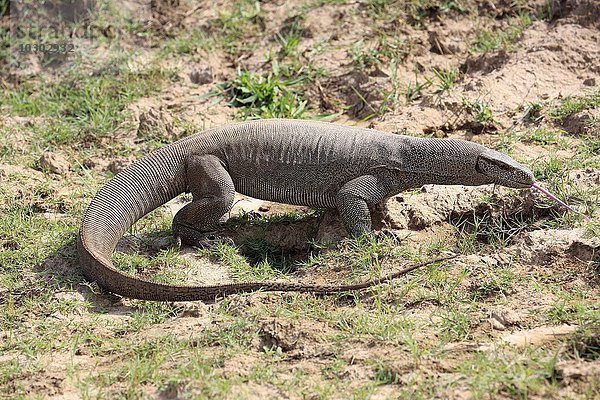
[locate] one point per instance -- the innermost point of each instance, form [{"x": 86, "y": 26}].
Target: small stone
[
  {"x": 264, "y": 208},
  {"x": 589, "y": 82},
  {"x": 9, "y": 244},
  {"x": 118, "y": 165},
  {"x": 54, "y": 163},
  {"x": 496, "y": 323},
  {"x": 506, "y": 317},
  {"x": 81, "y": 351},
  {"x": 202, "y": 76}
]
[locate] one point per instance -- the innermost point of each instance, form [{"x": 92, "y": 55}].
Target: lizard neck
[{"x": 425, "y": 161}]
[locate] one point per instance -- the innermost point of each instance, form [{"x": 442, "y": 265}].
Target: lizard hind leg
[{"x": 213, "y": 192}]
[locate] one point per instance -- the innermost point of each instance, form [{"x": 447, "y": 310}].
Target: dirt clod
[
  {"x": 577, "y": 370},
  {"x": 156, "y": 124},
  {"x": 293, "y": 337},
  {"x": 55, "y": 163},
  {"x": 582, "y": 123}
]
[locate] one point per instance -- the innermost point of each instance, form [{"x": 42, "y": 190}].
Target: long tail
[{"x": 144, "y": 186}]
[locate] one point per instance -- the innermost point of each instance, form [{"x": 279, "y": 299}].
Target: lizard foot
[{"x": 185, "y": 234}]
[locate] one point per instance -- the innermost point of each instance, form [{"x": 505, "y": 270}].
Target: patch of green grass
[
  {"x": 507, "y": 373},
  {"x": 270, "y": 219},
  {"x": 386, "y": 49},
  {"x": 21, "y": 229},
  {"x": 427, "y": 8},
  {"x": 585, "y": 344},
  {"x": 488, "y": 40},
  {"x": 240, "y": 268},
  {"x": 383, "y": 324},
  {"x": 455, "y": 324},
  {"x": 149, "y": 313},
  {"x": 489, "y": 282},
  {"x": 544, "y": 136},
  {"x": 4, "y": 4},
  {"x": 278, "y": 93},
  {"x": 189, "y": 43},
  {"x": 314, "y": 4},
  {"x": 233, "y": 24},
  {"x": 386, "y": 374},
  {"x": 551, "y": 170},
  {"x": 290, "y": 42},
  {"x": 79, "y": 107},
  {"x": 380, "y": 9},
  {"x": 366, "y": 252},
  {"x": 478, "y": 231},
  {"x": 364, "y": 57},
  {"x": 415, "y": 11},
  {"x": 391, "y": 98},
  {"x": 165, "y": 267},
  {"x": 589, "y": 148},
  {"x": 572, "y": 105}
]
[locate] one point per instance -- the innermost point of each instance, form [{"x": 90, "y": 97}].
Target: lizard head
[{"x": 502, "y": 170}]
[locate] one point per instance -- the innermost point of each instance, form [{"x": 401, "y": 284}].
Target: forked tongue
[{"x": 559, "y": 201}]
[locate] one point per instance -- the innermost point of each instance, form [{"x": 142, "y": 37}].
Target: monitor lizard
[{"x": 315, "y": 164}]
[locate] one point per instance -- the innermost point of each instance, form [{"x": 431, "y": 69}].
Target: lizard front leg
[
  {"x": 213, "y": 192},
  {"x": 355, "y": 197}
]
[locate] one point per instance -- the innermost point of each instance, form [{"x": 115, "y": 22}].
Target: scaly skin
[{"x": 288, "y": 161}]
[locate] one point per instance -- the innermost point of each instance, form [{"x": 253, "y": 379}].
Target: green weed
[
  {"x": 446, "y": 78},
  {"x": 488, "y": 40},
  {"x": 573, "y": 105},
  {"x": 263, "y": 96},
  {"x": 386, "y": 374},
  {"x": 189, "y": 43},
  {"x": 278, "y": 93},
  {"x": 289, "y": 43},
  {"x": 532, "y": 112},
  {"x": 165, "y": 267},
  {"x": 415, "y": 11},
  {"x": 240, "y": 268},
  {"x": 455, "y": 324},
  {"x": 516, "y": 375},
  {"x": 4, "y": 4},
  {"x": 481, "y": 112},
  {"x": 415, "y": 90}
]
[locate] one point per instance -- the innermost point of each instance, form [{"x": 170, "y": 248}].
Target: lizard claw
[
  {"x": 388, "y": 233},
  {"x": 212, "y": 239}
]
